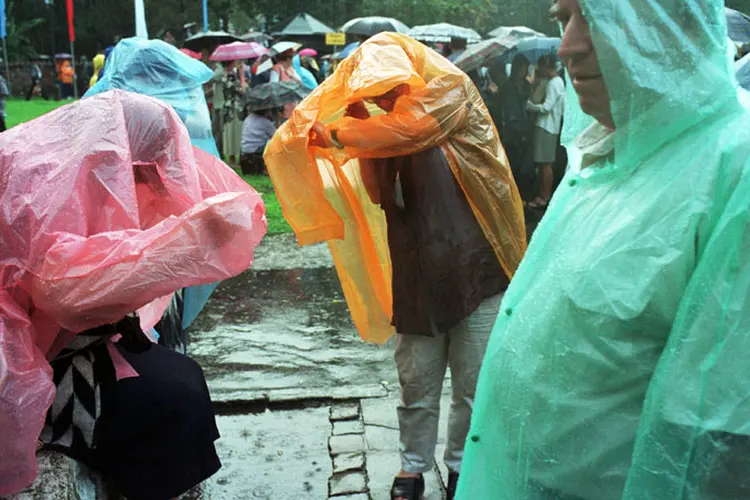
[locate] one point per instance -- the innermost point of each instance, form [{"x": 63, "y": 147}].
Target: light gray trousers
[{"x": 421, "y": 363}]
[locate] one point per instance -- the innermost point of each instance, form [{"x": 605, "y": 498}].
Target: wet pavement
[
  {"x": 285, "y": 333},
  {"x": 283, "y": 362},
  {"x": 307, "y": 410}
]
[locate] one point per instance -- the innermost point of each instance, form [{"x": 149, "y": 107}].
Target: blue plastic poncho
[
  {"x": 308, "y": 79},
  {"x": 157, "y": 69},
  {"x": 617, "y": 367}
]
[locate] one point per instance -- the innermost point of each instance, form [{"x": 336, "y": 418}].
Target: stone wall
[{"x": 20, "y": 80}]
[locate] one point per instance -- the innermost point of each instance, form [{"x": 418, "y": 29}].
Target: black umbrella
[
  {"x": 370, "y": 26},
  {"x": 274, "y": 95},
  {"x": 209, "y": 40}
]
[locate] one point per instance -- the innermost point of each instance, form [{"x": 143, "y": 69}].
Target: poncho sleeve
[
  {"x": 694, "y": 434},
  {"x": 420, "y": 120},
  {"x": 79, "y": 273}
]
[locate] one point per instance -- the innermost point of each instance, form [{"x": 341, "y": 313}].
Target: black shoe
[
  {"x": 411, "y": 488},
  {"x": 452, "y": 484}
]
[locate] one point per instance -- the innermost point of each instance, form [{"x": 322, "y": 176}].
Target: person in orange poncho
[{"x": 396, "y": 162}]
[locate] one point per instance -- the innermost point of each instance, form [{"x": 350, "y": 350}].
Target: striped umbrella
[{"x": 238, "y": 50}]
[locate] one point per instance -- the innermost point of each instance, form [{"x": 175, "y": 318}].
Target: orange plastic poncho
[
  {"x": 322, "y": 193},
  {"x": 66, "y": 72}
]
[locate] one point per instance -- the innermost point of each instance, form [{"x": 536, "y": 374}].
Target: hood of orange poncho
[{"x": 322, "y": 193}]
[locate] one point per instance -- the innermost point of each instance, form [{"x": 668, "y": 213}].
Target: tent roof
[{"x": 305, "y": 24}]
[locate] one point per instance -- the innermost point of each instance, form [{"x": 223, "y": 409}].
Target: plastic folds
[
  {"x": 322, "y": 190},
  {"x": 106, "y": 206},
  {"x": 616, "y": 369}
]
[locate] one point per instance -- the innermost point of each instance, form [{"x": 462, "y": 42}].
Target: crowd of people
[{"x": 603, "y": 361}]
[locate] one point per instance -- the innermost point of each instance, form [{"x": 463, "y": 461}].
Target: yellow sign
[{"x": 335, "y": 38}]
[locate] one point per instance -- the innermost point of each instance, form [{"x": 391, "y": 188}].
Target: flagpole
[
  {"x": 72, "y": 38},
  {"x": 3, "y": 34},
  {"x": 205, "y": 15},
  {"x": 75, "y": 73}
]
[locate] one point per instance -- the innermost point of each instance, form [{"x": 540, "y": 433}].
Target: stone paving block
[
  {"x": 348, "y": 461},
  {"x": 382, "y": 467},
  {"x": 381, "y": 411},
  {"x": 381, "y": 438},
  {"x": 344, "y": 411},
  {"x": 239, "y": 396},
  {"x": 358, "y": 496},
  {"x": 279, "y": 454},
  {"x": 336, "y": 393},
  {"x": 347, "y": 483},
  {"x": 343, "y": 427},
  {"x": 346, "y": 444},
  {"x": 61, "y": 477}
]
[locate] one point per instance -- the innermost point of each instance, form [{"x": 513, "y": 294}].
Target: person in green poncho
[{"x": 617, "y": 366}]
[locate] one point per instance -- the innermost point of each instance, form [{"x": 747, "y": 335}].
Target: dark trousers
[
  {"x": 252, "y": 163},
  {"x": 33, "y": 85},
  {"x": 2, "y": 123}
]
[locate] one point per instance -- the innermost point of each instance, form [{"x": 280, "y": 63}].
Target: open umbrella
[
  {"x": 266, "y": 65},
  {"x": 274, "y": 95},
  {"x": 191, "y": 53},
  {"x": 284, "y": 46},
  {"x": 370, "y": 26},
  {"x": 237, "y": 51},
  {"x": 533, "y": 48},
  {"x": 483, "y": 53},
  {"x": 515, "y": 31},
  {"x": 308, "y": 52},
  {"x": 347, "y": 51},
  {"x": 256, "y": 36},
  {"x": 738, "y": 26},
  {"x": 443, "y": 32},
  {"x": 742, "y": 71},
  {"x": 209, "y": 40}
]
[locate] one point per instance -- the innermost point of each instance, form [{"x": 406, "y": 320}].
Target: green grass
[
  {"x": 20, "y": 111},
  {"x": 277, "y": 224}
]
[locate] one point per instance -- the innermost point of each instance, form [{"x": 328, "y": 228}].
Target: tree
[{"x": 19, "y": 36}]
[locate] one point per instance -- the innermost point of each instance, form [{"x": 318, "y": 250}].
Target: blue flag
[{"x": 3, "y": 29}]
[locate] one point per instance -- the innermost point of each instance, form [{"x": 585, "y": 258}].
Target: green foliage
[
  {"x": 34, "y": 27},
  {"x": 20, "y": 35}
]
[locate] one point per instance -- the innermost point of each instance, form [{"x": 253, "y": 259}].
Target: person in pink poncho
[{"x": 100, "y": 224}]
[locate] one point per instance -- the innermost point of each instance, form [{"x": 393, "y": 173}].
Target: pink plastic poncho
[{"x": 104, "y": 207}]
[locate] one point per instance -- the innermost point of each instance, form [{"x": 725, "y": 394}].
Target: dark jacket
[
  {"x": 515, "y": 117},
  {"x": 443, "y": 265}
]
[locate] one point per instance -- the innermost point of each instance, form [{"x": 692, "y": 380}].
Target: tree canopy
[{"x": 34, "y": 27}]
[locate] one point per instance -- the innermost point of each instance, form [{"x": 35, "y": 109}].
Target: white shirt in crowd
[
  {"x": 551, "y": 110},
  {"x": 256, "y": 132}
]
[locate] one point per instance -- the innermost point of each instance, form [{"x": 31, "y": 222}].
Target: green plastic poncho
[{"x": 618, "y": 364}]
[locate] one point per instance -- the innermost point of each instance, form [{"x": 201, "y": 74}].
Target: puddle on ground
[{"x": 282, "y": 329}]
